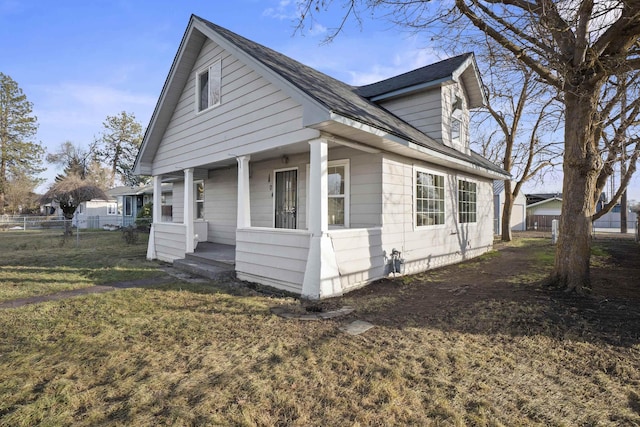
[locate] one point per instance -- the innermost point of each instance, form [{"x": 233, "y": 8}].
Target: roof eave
[{"x": 420, "y": 151}]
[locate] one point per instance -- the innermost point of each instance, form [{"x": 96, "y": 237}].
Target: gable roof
[
  {"x": 541, "y": 197},
  {"x": 424, "y": 77},
  {"x": 328, "y": 98},
  {"x": 543, "y": 202}
]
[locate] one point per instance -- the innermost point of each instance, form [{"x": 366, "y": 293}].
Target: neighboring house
[
  {"x": 122, "y": 208},
  {"x": 612, "y": 219},
  {"x": 549, "y": 206},
  {"x": 131, "y": 200},
  {"x": 95, "y": 213},
  {"x": 315, "y": 182},
  {"x": 518, "y": 211},
  {"x": 542, "y": 209}
]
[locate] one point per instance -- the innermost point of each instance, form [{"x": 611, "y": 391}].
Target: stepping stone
[{"x": 357, "y": 327}]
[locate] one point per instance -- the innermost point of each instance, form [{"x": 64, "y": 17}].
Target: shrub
[
  {"x": 130, "y": 235},
  {"x": 144, "y": 217}
]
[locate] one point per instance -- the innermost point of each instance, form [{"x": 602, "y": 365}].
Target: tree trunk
[
  {"x": 68, "y": 219},
  {"x": 582, "y": 163},
  {"x": 506, "y": 212}
]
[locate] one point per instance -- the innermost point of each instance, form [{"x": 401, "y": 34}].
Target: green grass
[
  {"x": 42, "y": 262},
  {"x": 214, "y": 354}
]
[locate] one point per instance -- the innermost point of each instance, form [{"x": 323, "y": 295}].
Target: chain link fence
[{"x": 51, "y": 230}]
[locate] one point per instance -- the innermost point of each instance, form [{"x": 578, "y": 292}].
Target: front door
[{"x": 286, "y": 200}]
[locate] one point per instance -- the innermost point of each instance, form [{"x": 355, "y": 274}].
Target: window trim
[
  {"x": 443, "y": 175},
  {"x": 347, "y": 192},
  {"x": 475, "y": 202},
  {"x": 112, "y": 208},
  {"x": 347, "y": 187},
  {"x": 214, "y": 66},
  {"x": 196, "y": 200}
]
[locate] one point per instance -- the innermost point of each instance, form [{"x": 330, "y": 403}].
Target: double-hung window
[
  {"x": 338, "y": 193},
  {"x": 429, "y": 199},
  {"x": 467, "y": 202},
  {"x": 199, "y": 190},
  {"x": 208, "y": 86}
]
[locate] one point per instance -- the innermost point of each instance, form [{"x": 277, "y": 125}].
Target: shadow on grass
[{"x": 506, "y": 295}]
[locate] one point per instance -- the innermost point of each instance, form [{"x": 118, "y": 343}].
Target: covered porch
[{"x": 309, "y": 258}]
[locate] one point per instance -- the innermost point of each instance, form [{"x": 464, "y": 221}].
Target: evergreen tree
[
  {"x": 118, "y": 147},
  {"x": 18, "y": 154}
]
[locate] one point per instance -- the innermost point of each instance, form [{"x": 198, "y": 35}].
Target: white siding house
[
  {"x": 95, "y": 213},
  {"x": 314, "y": 182}
]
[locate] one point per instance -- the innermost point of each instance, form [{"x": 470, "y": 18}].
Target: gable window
[
  {"x": 429, "y": 199},
  {"x": 199, "y": 188},
  {"x": 208, "y": 83},
  {"x": 456, "y": 120},
  {"x": 338, "y": 192},
  {"x": 467, "y": 196}
]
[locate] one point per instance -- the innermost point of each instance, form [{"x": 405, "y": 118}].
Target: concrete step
[
  {"x": 218, "y": 261},
  {"x": 197, "y": 268}
]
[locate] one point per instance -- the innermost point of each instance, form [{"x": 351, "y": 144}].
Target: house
[
  {"x": 613, "y": 219},
  {"x": 518, "y": 211},
  {"x": 130, "y": 200},
  {"x": 95, "y": 213},
  {"x": 542, "y": 209},
  {"x": 320, "y": 187}
]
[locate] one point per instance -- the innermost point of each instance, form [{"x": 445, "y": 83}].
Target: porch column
[
  {"x": 321, "y": 276},
  {"x": 189, "y": 215},
  {"x": 157, "y": 216},
  {"x": 157, "y": 198},
  {"x": 244, "y": 193}
]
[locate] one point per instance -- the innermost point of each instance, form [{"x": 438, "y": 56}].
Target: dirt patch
[{"x": 513, "y": 276}]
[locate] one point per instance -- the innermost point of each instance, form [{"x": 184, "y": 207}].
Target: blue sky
[{"x": 80, "y": 61}]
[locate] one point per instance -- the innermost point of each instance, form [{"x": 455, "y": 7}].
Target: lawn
[
  {"x": 38, "y": 262},
  {"x": 479, "y": 343}
]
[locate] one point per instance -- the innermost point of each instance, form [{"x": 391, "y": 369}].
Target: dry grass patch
[
  {"x": 214, "y": 354},
  {"x": 43, "y": 262}
]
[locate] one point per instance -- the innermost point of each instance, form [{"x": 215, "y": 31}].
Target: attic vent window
[
  {"x": 456, "y": 120},
  {"x": 208, "y": 83}
]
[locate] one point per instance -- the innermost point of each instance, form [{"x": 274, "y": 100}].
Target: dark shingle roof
[
  {"x": 342, "y": 98},
  {"x": 430, "y": 73}
]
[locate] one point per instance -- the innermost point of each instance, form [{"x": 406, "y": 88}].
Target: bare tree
[
  {"x": 69, "y": 192},
  {"x": 573, "y": 46},
  {"x": 518, "y": 126},
  {"x": 83, "y": 162}
]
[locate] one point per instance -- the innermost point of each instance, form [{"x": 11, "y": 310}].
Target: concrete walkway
[{"x": 98, "y": 289}]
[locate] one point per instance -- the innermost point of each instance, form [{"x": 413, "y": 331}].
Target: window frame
[
  {"x": 112, "y": 208},
  {"x": 443, "y": 200},
  {"x": 347, "y": 192},
  {"x": 464, "y": 214},
  {"x": 214, "y": 78},
  {"x": 197, "y": 201},
  {"x": 456, "y": 118}
]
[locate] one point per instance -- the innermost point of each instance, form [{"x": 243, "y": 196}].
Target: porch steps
[
  {"x": 211, "y": 260},
  {"x": 204, "y": 268}
]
